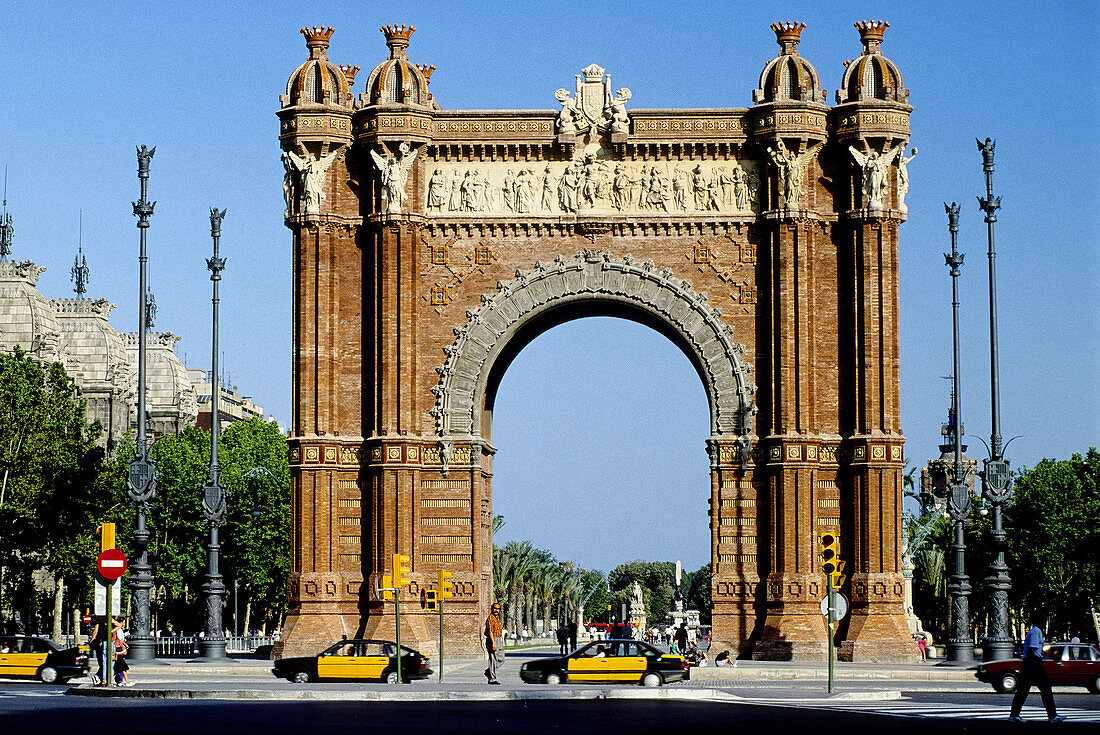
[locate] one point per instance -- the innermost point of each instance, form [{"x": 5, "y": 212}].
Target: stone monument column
[{"x": 872, "y": 122}]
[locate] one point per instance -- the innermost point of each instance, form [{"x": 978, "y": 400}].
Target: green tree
[
  {"x": 696, "y": 589},
  {"x": 257, "y": 534},
  {"x": 50, "y": 495},
  {"x": 255, "y": 548},
  {"x": 1054, "y": 543}
]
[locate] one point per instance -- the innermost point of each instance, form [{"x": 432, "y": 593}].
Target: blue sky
[{"x": 600, "y": 423}]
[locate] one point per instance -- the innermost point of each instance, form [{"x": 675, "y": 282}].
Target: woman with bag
[{"x": 120, "y": 650}]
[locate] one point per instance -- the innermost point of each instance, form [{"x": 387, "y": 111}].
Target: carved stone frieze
[{"x": 591, "y": 183}]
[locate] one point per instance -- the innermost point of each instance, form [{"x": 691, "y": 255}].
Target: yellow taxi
[
  {"x": 607, "y": 662},
  {"x": 40, "y": 658},
  {"x": 354, "y": 660}
]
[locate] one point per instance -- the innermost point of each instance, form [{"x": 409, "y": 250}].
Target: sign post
[
  {"x": 111, "y": 564},
  {"x": 443, "y": 589}
]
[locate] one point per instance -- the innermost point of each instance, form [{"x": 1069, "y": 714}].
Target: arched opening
[{"x": 601, "y": 428}]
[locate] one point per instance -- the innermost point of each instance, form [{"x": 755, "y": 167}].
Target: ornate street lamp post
[
  {"x": 996, "y": 477},
  {"x": 141, "y": 481},
  {"x": 212, "y": 645},
  {"x": 960, "y": 647}
]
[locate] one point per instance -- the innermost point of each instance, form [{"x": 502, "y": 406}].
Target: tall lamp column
[
  {"x": 141, "y": 480},
  {"x": 996, "y": 477},
  {"x": 960, "y": 647},
  {"x": 212, "y": 646}
]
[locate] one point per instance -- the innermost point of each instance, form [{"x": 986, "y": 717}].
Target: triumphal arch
[{"x": 431, "y": 244}]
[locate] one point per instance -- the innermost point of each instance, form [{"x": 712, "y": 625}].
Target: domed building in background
[
  {"x": 95, "y": 357},
  {"x": 27, "y": 318},
  {"x": 170, "y": 404},
  {"x": 101, "y": 361}
]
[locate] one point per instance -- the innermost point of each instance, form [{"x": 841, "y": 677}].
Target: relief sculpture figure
[
  {"x": 395, "y": 174},
  {"x": 903, "y": 178},
  {"x": 679, "y": 188},
  {"x": 437, "y": 191},
  {"x": 312, "y": 172},
  {"x": 740, "y": 189},
  {"x": 508, "y": 190},
  {"x": 620, "y": 122},
  {"x": 620, "y": 189},
  {"x": 455, "y": 203},
  {"x": 792, "y": 171},
  {"x": 547, "y": 202},
  {"x": 874, "y": 166}
]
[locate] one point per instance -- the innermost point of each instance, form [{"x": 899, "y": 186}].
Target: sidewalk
[{"x": 464, "y": 679}]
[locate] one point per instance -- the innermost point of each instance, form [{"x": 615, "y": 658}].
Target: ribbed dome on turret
[
  {"x": 788, "y": 77},
  {"x": 397, "y": 80},
  {"x": 318, "y": 81},
  {"x": 872, "y": 76},
  {"x": 27, "y": 318}
]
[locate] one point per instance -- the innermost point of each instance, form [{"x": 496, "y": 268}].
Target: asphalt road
[{"x": 26, "y": 707}]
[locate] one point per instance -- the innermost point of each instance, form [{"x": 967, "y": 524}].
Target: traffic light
[
  {"x": 838, "y": 575},
  {"x": 400, "y": 569},
  {"x": 427, "y": 599},
  {"x": 831, "y": 563},
  {"x": 444, "y": 587},
  {"x": 386, "y": 591},
  {"x": 106, "y": 536}
]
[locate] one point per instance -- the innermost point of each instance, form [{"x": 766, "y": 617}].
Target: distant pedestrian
[
  {"x": 680, "y": 638},
  {"x": 572, "y": 629},
  {"x": 494, "y": 642},
  {"x": 563, "y": 640},
  {"x": 922, "y": 646},
  {"x": 1033, "y": 673}
]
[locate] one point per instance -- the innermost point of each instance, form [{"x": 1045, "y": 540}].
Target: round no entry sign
[{"x": 111, "y": 564}]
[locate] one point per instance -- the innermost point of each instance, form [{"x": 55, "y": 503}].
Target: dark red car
[{"x": 1066, "y": 664}]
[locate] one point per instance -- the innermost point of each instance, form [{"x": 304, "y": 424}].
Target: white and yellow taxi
[
  {"x": 607, "y": 662},
  {"x": 355, "y": 660},
  {"x": 30, "y": 657}
]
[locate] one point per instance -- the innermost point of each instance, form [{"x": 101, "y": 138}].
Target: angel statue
[
  {"x": 903, "y": 178},
  {"x": 395, "y": 174},
  {"x": 312, "y": 172},
  {"x": 792, "y": 169},
  {"x": 874, "y": 165}
]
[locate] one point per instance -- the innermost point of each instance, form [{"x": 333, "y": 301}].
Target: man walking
[
  {"x": 494, "y": 642},
  {"x": 1032, "y": 672}
]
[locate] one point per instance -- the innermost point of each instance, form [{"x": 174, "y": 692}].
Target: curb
[{"x": 396, "y": 695}]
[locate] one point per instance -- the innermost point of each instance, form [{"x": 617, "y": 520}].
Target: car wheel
[
  {"x": 300, "y": 678},
  {"x": 390, "y": 677},
  {"x": 1094, "y": 687},
  {"x": 1007, "y": 683},
  {"x": 651, "y": 680},
  {"x": 552, "y": 678},
  {"x": 48, "y": 675}
]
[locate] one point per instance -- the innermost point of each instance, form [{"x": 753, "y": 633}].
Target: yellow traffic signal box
[
  {"x": 444, "y": 587},
  {"x": 106, "y": 536},
  {"x": 400, "y": 570}
]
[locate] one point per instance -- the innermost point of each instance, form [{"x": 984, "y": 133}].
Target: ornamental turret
[
  {"x": 315, "y": 121},
  {"x": 872, "y": 121},
  {"x": 789, "y": 117}
]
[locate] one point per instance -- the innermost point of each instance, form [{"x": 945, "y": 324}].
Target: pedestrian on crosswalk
[{"x": 1033, "y": 673}]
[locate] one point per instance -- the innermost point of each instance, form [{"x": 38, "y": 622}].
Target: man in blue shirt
[{"x": 1033, "y": 673}]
